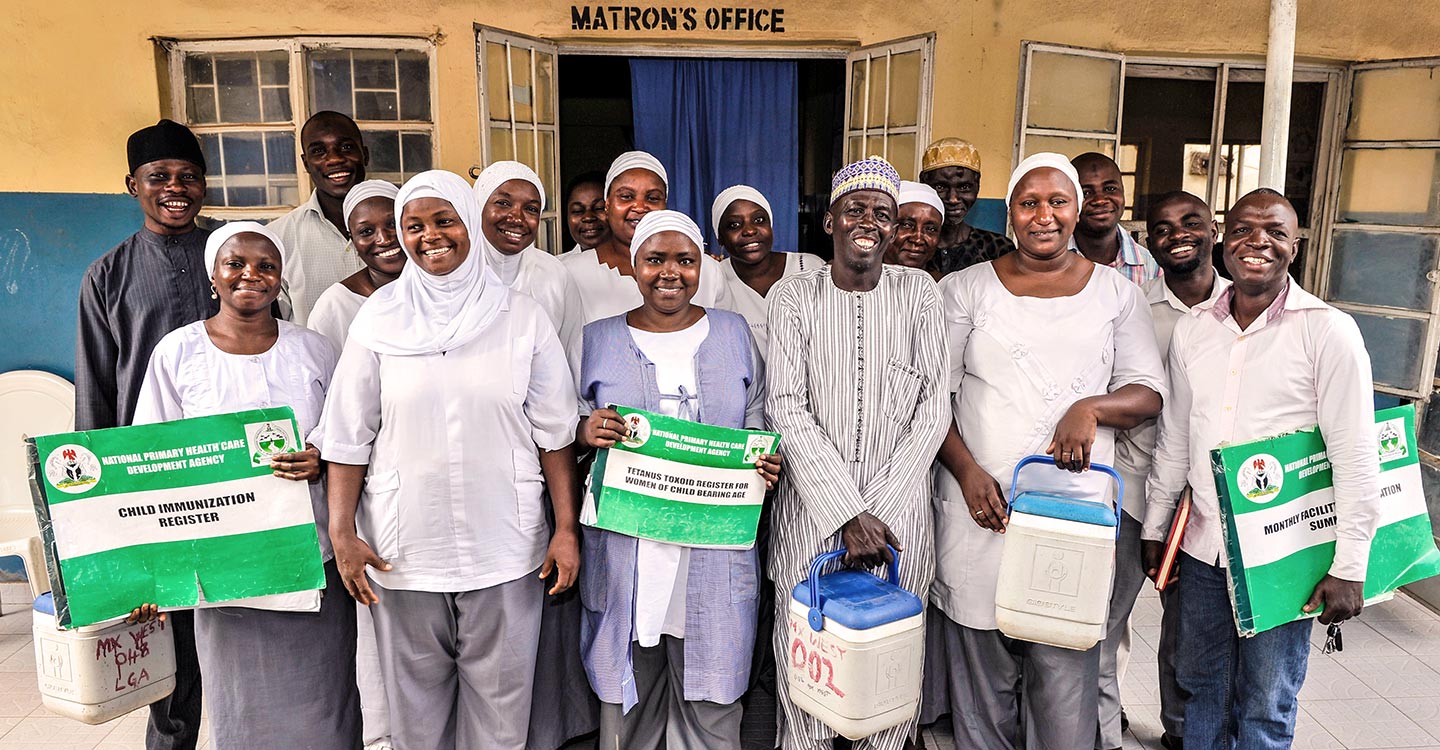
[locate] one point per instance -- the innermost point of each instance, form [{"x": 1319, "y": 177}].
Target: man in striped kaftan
[{"x": 857, "y": 371}]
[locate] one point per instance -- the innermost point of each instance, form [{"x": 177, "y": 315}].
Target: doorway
[{"x": 597, "y": 123}]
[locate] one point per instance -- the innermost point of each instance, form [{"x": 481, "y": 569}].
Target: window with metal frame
[
  {"x": 1070, "y": 100},
  {"x": 247, "y": 99},
  {"x": 1195, "y": 123},
  {"x": 1385, "y": 242},
  {"x": 519, "y": 99},
  {"x": 887, "y": 102}
]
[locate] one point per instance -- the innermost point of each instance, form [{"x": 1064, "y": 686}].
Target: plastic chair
[{"x": 34, "y": 403}]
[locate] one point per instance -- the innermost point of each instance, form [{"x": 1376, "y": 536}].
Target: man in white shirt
[
  {"x": 317, "y": 247},
  {"x": 1182, "y": 233},
  {"x": 1265, "y": 358}
]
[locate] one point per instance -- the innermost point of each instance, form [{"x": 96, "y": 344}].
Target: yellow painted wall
[{"x": 78, "y": 75}]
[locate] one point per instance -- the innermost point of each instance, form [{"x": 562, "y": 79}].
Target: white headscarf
[
  {"x": 736, "y": 193},
  {"x": 1040, "y": 161},
  {"x": 365, "y": 191},
  {"x": 222, "y": 235},
  {"x": 919, "y": 192},
  {"x": 423, "y": 314},
  {"x": 664, "y": 220},
  {"x": 634, "y": 160},
  {"x": 507, "y": 267}
]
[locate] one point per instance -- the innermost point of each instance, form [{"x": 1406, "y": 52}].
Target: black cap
[{"x": 166, "y": 139}]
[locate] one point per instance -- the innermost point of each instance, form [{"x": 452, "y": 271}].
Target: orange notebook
[{"x": 1172, "y": 543}]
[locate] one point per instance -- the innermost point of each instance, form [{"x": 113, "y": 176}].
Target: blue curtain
[{"x": 717, "y": 123}]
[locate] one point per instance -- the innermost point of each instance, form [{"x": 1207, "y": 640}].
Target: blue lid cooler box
[
  {"x": 1058, "y": 561},
  {"x": 856, "y": 644},
  {"x": 104, "y": 671}
]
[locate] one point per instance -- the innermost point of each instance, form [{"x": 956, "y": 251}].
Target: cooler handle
[
  {"x": 1050, "y": 461},
  {"x": 816, "y": 617}
]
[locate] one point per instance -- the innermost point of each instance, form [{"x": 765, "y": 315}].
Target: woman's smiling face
[{"x": 434, "y": 235}]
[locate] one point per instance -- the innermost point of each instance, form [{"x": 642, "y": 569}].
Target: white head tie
[
  {"x": 919, "y": 192},
  {"x": 365, "y": 191},
  {"x": 222, "y": 235},
  {"x": 634, "y": 160},
  {"x": 656, "y": 222},
  {"x": 736, "y": 193},
  {"x": 1040, "y": 161}
]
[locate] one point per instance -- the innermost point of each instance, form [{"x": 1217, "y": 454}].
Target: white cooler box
[
  {"x": 101, "y": 672},
  {"x": 855, "y": 658},
  {"x": 1058, "y": 564}
]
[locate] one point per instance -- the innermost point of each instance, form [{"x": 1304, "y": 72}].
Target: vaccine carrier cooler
[
  {"x": 101, "y": 672},
  {"x": 1058, "y": 562},
  {"x": 856, "y": 643}
]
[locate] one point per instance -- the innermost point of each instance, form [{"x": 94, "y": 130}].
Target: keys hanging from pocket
[{"x": 1334, "y": 639}]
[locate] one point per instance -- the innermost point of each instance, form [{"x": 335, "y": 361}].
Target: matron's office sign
[{"x": 675, "y": 18}]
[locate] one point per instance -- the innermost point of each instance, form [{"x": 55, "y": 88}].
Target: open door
[
  {"x": 1385, "y": 241},
  {"x": 519, "y": 99},
  {"x": 1070, "y": 100},
  {"x": 887, "y": 102}
]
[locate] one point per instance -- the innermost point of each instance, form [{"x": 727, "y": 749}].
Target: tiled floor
[{"x": 1383, "y": 691}]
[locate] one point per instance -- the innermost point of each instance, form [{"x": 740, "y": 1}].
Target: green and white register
[
  {"x": 1278, "y": 507},
  {"x": 680, "y": 482},
  {"x": 177, "y": 513}
]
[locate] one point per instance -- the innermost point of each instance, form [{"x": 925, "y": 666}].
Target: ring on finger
[{"x": 980, "y": 512}]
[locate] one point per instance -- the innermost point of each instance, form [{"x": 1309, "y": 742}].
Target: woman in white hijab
[
  {"x": 453, "y": 406},
  {"x": 635, "y": 185},
  {"x": 511, "y": 199},
  {"x": 1051, "y": 354},
  {"x": 744, "y": 224}
]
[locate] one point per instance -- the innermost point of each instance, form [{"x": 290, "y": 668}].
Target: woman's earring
[{"x": 213, "y": 293}]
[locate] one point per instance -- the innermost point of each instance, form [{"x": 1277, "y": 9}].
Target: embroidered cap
[
  {"x": 950, "y": 152},
  {"x": 873, "y": 173}
]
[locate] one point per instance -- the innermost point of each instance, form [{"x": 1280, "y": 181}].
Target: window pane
[
  {"x": 1073, "y": 92},
  {"x": 280, "y": 153},
  {"x": 1394, "y": 345},
  {"x": 384, "y": 148},
  {"x": 376, "y": 105},
  {"x": 525, "y": 147},
  {"x": 901, "y": 154},
  {"x": 330, "y": 82},
  {"x": 497, "y": 84},
  {"x": 239, "y": 89},
  {"x": 520, "y": 86},
  {"x": 1070, "y": 147},
  {"x": 874, "y": 146},
  {"x": 198, "y": 69},
  {"x": 1383, "y": 268},
  {"x": 414, "y": 86},
  {"x": 858, "y": 72},
  {"x": 201, "y": 105},
  {"x": 500, "y": 146},
  {"x": 1395, "y": 104},
  {"x": 1244, "y": 108},
  {"x": 904, "y": 89},
  {"x": 545, "y": 87},
  {"x": 879, "y": 81},
  {"x": 416, "y": 153},
  {"x": 545, "y": 166},
  {"x": 275, "y": 70},
  {"x": 853, "y": 146},
  {"x": 1390, "y": 186},
  {"x": 374, "y": 69},
  {"x": 275, "y": 103},
  {"x": 1169, "y": 119},
  {"x": 250, "y": 169}
]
